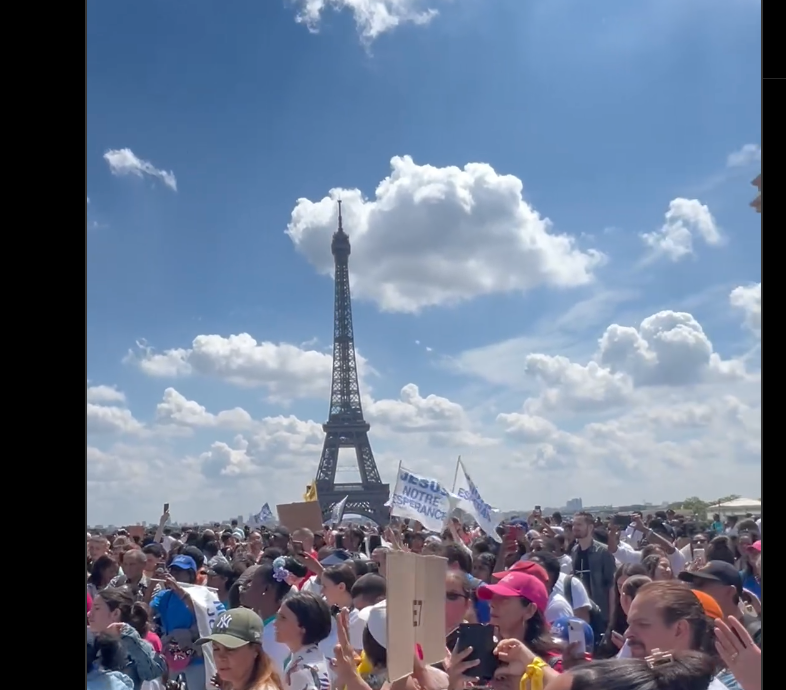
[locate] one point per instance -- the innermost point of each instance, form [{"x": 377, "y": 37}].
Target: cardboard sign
[
  {"x": 415, "y": 610},
  {"x": 306, "y": 514},
  {"x": 136, "y": 531}
]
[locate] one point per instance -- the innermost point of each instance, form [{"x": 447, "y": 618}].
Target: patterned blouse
[{"x": 307, "y": 669}]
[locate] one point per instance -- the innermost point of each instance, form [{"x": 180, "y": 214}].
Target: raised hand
[
  {"x": 458, "y": 667},
  {"x": 739, "y": 652},
  {"x": 344, "y": 665}
]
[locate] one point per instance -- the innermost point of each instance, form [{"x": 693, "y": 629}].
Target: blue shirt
[
  {"x": 750, "y": 583},
  {"x": 173, "y": 615},
  {"x": 728, "y": 680},
  {"x": 482, "y": 608}
]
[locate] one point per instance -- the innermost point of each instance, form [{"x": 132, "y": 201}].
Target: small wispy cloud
[
  {"x": 738, "y": 164},
  {"x": 124, "y": 162},
  {"x": 748, "y": 155}
]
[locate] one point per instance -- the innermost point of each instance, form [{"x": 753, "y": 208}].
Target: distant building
[
  {"x": 574, "y": 505},
  {"x": 756, "y": 203}
]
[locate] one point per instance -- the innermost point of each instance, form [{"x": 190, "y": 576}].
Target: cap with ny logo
[{"x": 235, "y": 628}]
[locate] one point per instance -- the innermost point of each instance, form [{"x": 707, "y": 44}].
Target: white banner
[
  {"x": 206, "y": 610},
  {"x": 470, "y": 501},
  {"x": 419, "y": 498}
]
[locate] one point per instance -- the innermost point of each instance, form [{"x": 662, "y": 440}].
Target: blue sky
[{"x": 632, "y": 127}]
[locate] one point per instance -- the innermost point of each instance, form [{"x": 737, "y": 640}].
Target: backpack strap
[{"x": 568, "y": 590}]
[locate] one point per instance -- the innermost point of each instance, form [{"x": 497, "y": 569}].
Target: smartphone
[
  {"x": 537, "y": 509},
  {"x": 451, "y": 639},
  {"x": 297, "y": 546},
  {"x": 622, "y": 519},
  {"x": 576, "y": 636},
  {"x": 483, "y": 642},
  {"x": 699, "y": 555},
  {"x": 166, "y": 507},
  {"x": 512, "y": 533}
]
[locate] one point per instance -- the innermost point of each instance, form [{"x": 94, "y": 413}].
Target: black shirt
[{"x": 583, "y": 570}]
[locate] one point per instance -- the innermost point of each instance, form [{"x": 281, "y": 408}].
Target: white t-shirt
[
  {"x": 633, "y": 536},
  {"x": 328, "y": 644},
  {"x": 277, "y": 651},
  {"x": 168, "y": 542},
  {"x": 356, "y": 627},
  {"x": 625, "y": 554},
  {"x": 565, "y": 564},
  {"x": 624, "y": 652},
  {"x": 580, "y": 597},
  {"x": 311, "y": 585},
  {"x": 557, "y": 607}
]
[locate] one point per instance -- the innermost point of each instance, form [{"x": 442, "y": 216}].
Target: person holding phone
[{"x": 518, "y": 606}]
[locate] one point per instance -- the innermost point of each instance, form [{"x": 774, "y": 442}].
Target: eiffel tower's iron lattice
[{"x": 346, "y": 426}]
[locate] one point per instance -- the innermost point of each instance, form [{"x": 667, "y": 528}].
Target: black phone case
[{"x": 482, "y": 640}]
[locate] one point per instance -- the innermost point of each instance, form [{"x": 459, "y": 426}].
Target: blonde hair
[{"x": 263, "y": 676}]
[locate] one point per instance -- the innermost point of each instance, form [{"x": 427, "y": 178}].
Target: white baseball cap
[{"x": 376, "y": 620}]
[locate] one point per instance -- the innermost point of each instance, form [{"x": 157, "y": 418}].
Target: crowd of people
[{"x": 630, "y": 602}]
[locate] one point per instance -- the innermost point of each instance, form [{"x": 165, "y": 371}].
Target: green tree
[
  {"x": 726, "y": 499},
  {"x": 695, "y": 505}
]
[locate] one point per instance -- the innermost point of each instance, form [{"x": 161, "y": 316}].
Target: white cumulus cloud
[
  {"x": 748, "y": 300},
  {"x": 286, "y": 371},
  {"x": 641, "y": 419},
  {"x": 104, "y": 394},
  {"x": 435, "y": 236},
  {"x": 124, "y": 162},
  {"x": 372, "y": 17},
  {"x": 686, "y": 220}
]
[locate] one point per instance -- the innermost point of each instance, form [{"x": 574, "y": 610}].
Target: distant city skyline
[{"x": 572, "y": 506}]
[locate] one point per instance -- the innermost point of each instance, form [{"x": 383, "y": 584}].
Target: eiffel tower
[{"x": 346, "y": 427}]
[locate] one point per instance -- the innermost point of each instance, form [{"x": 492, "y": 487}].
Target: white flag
[
  {"x": 419, "y": 498},
  {"x": 470, "y": 501},
  {"x": 337, "y": 512}
]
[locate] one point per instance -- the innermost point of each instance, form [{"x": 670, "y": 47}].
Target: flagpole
[
  {"x": 455, "y": 475},
  {"x": 395, "y": 486}
]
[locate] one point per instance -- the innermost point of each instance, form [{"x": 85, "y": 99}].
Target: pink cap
[
  {"x": 520, "y": 585},
  {"x": 756, "y": 546},
  {"x": 529, "y": 567}
]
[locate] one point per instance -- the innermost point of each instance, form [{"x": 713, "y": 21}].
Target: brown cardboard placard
[
  {"x": 415, "y": 610},
  {"x": 306, "y": 514}
]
